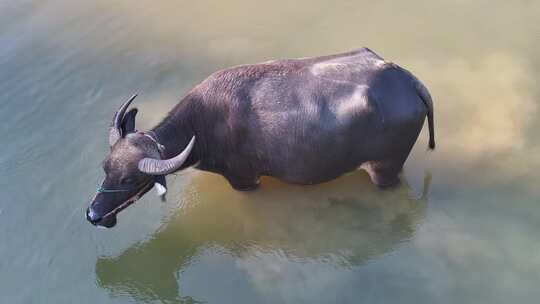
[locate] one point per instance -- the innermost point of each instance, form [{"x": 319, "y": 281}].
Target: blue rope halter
[{"x": 101, "y": 189}]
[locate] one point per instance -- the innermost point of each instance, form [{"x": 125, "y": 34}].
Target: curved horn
[
  {"x": 161, "y": 167},
  {"x": 115, "y": 132}
]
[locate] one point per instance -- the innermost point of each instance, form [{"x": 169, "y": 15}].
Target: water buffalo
[{"x": 303, "y": 121}]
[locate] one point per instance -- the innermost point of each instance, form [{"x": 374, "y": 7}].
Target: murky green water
[{"x": 464, "y": 226}]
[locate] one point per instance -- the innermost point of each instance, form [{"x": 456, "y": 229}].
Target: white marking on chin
[
  {"x": 91, "y": 213},
  {"x": 160, "y": 190}
]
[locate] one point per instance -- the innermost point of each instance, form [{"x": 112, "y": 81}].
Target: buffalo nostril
[{"x": 92, "y": 217}]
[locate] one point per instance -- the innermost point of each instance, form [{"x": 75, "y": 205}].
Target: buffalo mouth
[{"x": 109, "y": 220}]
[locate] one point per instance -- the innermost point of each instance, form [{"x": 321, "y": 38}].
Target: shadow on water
[{"x": 343, "y": 223}]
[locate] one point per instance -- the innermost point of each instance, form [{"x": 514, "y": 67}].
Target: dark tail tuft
[
  {"x": 431, "y": 130},
  {"x": 428, "y": 102}
]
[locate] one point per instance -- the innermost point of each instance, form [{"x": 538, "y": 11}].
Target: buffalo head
[{"x": 132, "y": 168}]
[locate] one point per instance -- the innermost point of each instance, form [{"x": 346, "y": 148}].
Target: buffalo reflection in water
[{"x": 344, "y": 223}]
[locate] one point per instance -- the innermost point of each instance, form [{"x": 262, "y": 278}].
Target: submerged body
[
  {"x": 303, "y": 121},
  {"x": 307, "y": 121}
]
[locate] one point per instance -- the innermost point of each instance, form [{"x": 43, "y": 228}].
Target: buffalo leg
[
  {"x": 243, "y": 183},
  {"x": 384, "y": 173}
]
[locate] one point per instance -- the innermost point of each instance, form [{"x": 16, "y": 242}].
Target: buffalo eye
[{"x": 127, "y": 180}]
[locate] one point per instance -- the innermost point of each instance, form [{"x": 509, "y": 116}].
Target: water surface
[{"x": 463, "y": 226}]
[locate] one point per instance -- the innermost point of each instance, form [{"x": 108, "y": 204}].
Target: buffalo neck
[{"x": 175, "y": 131}]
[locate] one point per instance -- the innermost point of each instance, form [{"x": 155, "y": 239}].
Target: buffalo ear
[
  {"x": 161, "y": 186},
  {"x": 128, "y": 122}
]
